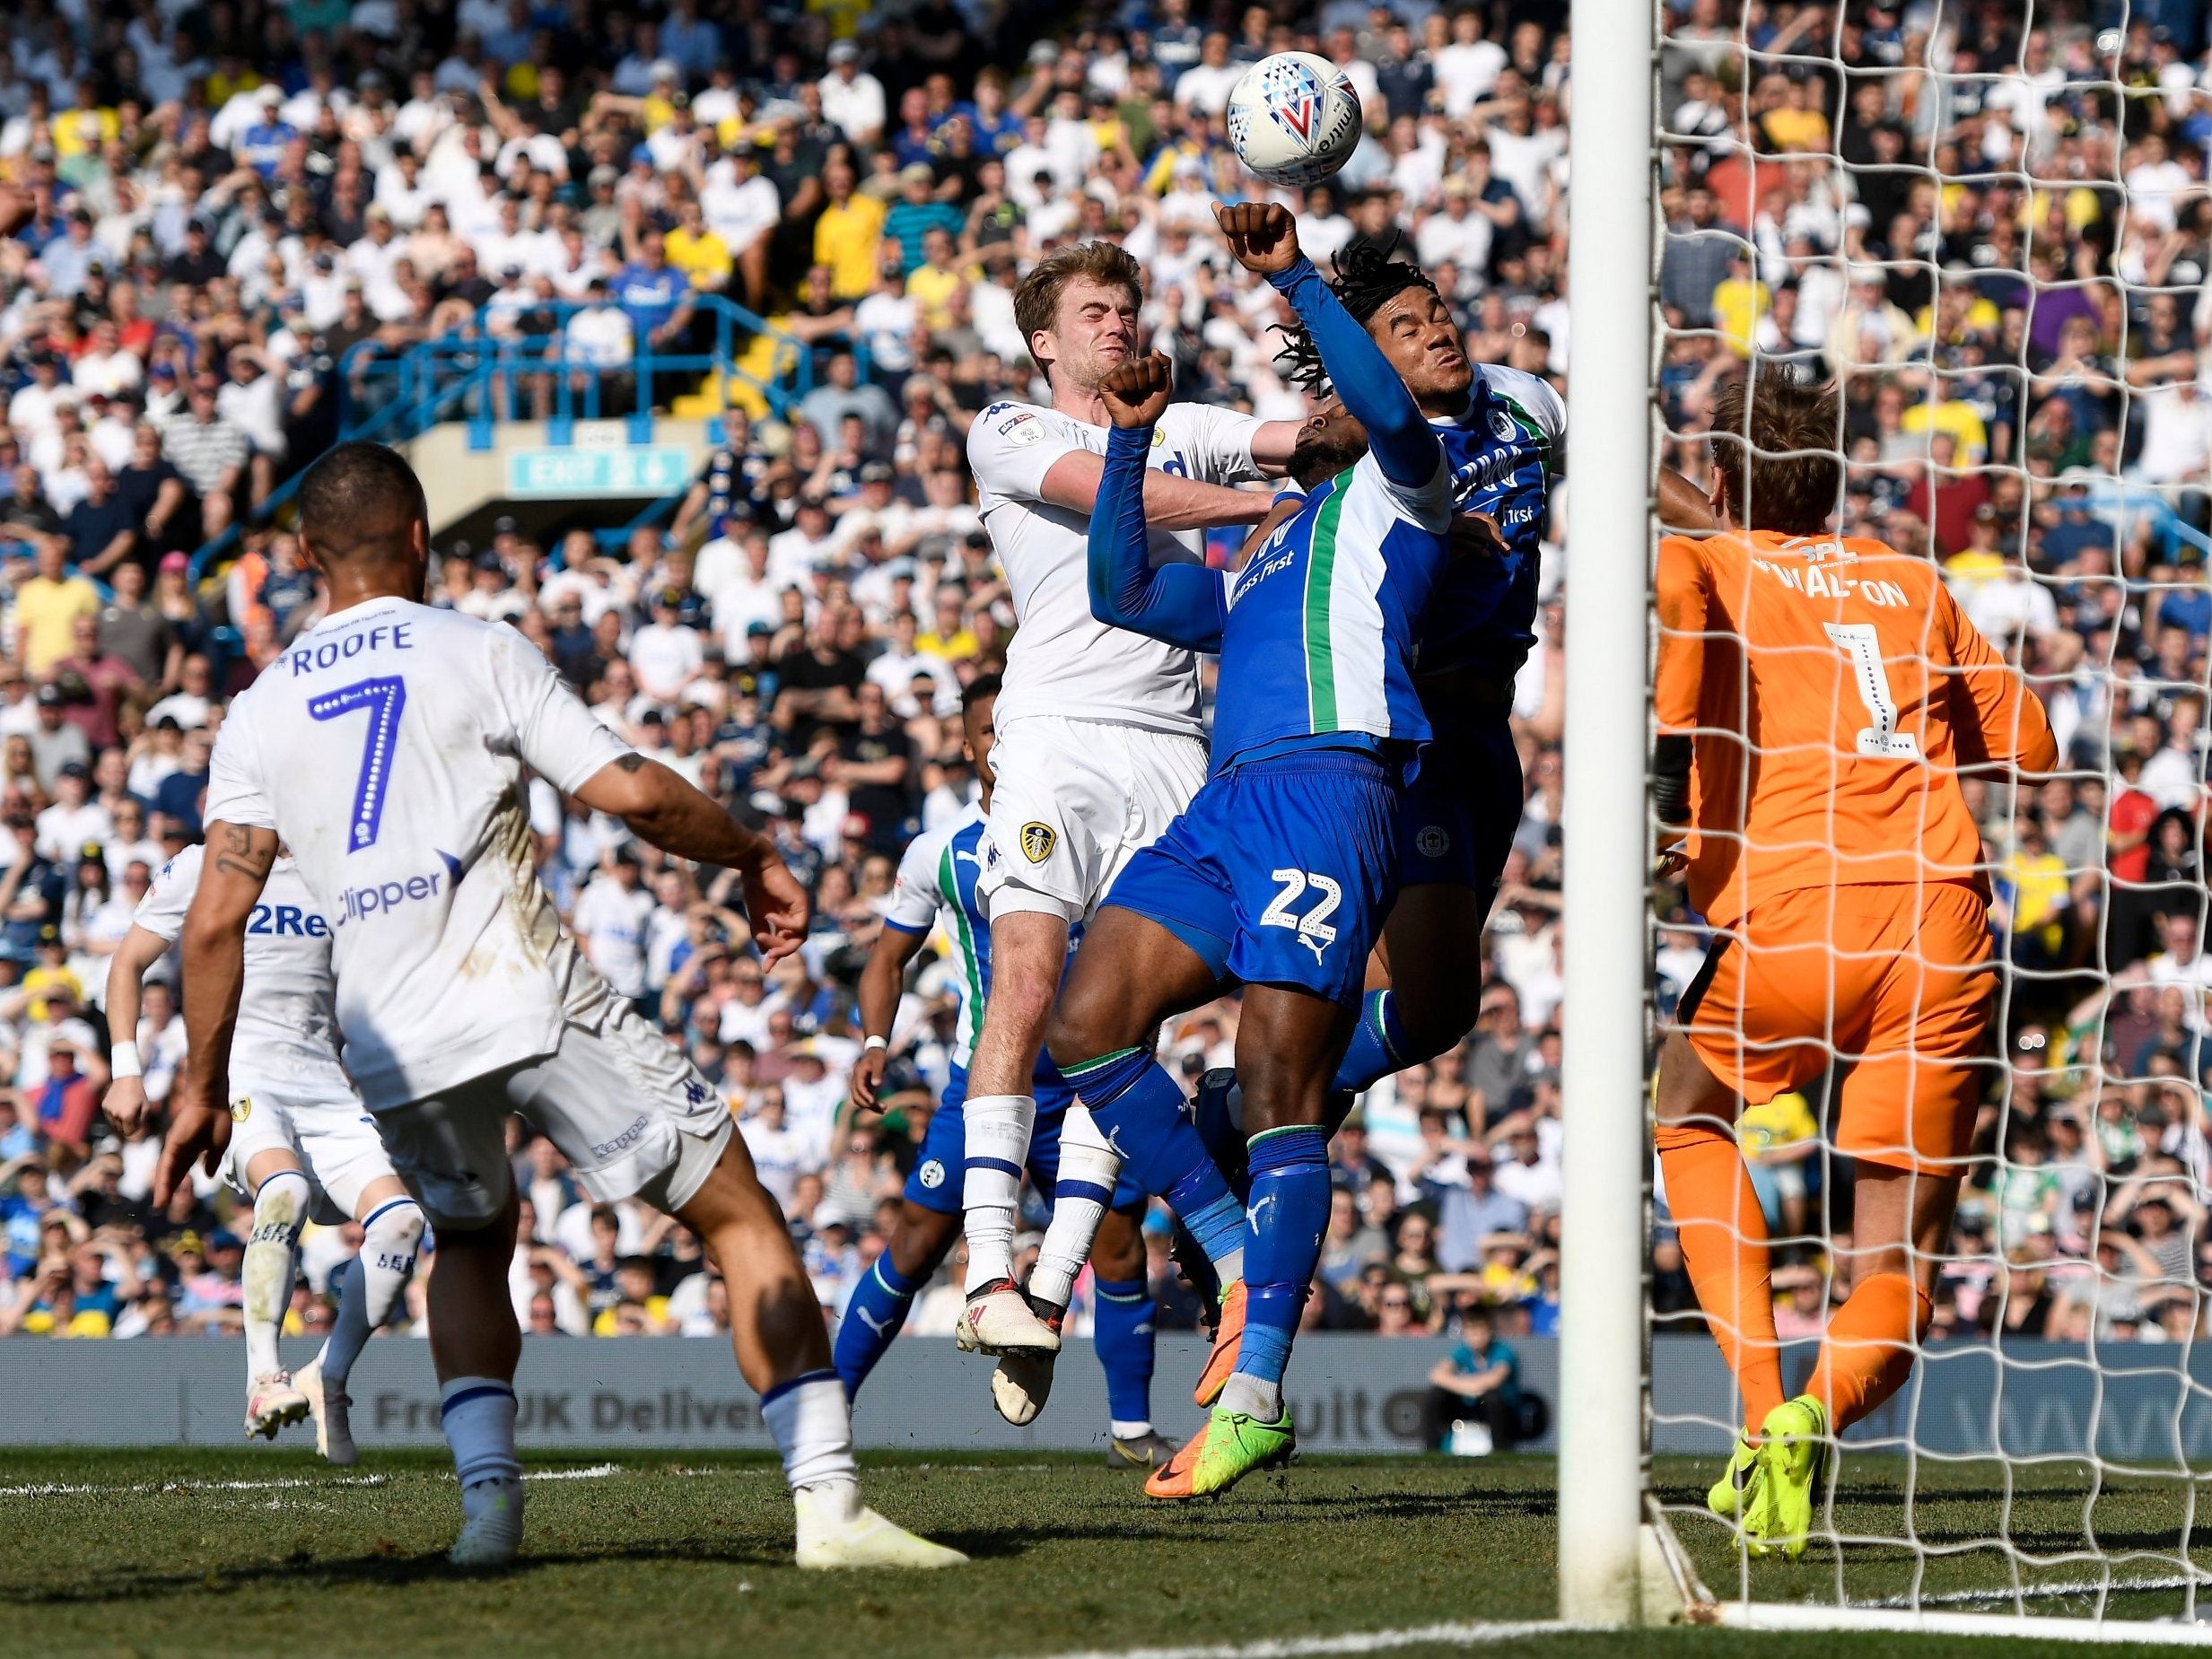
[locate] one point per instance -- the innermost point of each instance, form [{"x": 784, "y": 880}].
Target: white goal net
[{"x": 1988, "y": 225}]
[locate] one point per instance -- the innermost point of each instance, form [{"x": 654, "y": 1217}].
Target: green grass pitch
[{"x": 667, "y": 1554}]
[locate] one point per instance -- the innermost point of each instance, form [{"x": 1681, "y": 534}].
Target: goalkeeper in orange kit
[{"x": 1818, "y": 699}]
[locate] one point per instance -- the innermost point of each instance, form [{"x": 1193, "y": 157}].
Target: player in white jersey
[
  {"x": 386, "y": 747},
  {"x": 302, "y": 1148},
  {"x": 1099, "y": 740}
]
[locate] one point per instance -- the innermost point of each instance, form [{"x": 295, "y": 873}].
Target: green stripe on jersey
[
  {"x": 963, "y": 937},
  {"x": 1527, "y": 420},
  {"x": 1320, "y": 649}
]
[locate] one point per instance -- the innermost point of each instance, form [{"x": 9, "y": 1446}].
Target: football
[{"x": 1294, "y": 118}]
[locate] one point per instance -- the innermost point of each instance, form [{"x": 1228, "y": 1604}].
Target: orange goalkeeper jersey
[{"x": 1834, "y": 690}]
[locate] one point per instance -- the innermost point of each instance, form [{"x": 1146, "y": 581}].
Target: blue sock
[
  {"x": 1122, "y": 1328},
  {"x": 1378, "y": 1046},
  {"x": 874, "y": 1315},
  {"x": 1139, "y": 1107},
  {"x": 1289, "y": 1213}
]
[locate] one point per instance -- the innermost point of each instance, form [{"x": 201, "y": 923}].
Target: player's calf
[
  {"x": 370, "y": 1287},
  {"x": 271, "y": 1264}
]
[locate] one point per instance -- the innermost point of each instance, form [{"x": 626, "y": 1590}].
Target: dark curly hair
[{"x": 1369, "y": 274}]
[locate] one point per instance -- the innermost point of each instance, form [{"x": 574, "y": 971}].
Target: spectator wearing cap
[
  {"x": 55, "y": 741},
  {"x": 916, "y": 213},
  {"x": 666, "y": 656},
  {"x": 851, "y": 98}
]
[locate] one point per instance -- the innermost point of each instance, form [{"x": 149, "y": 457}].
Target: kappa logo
[
  {"x": 1038, "y": 842},
  {"x": 694, "y": 1091},
  {"x": 932, "y": 1173}
]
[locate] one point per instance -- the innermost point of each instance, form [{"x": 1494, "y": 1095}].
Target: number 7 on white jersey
[{"x": 385, "y": 700}]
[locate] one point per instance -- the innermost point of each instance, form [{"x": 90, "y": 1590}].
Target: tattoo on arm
[
  {"x": 245, "y": 852},
  {"x": 632, "y": 762}
]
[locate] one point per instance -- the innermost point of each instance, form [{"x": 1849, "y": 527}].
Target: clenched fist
[
  {"x": 1136, "y": 392},
  {"x": 1262, "y": 235}
]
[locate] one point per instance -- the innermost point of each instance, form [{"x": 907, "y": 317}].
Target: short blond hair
[{"x": 1036, "y": 299}]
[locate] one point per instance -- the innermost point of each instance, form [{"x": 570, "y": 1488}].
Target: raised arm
[
  {"x": 1185, "y": 605},
  {"x": 1170, "y": 503},
  {"x": 1263, "y": 238}
]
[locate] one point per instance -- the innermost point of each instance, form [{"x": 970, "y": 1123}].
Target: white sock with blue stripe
[
  {"x": 812, "y": 1423},
  {"x": 1085, "y": 1187},
  {"x": 477, "y": 1414},
  {"x": 998, "y": 1146},
  {"x": 373, "y": 1282}
]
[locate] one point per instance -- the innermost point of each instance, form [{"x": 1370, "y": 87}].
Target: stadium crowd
[{"x": 1997, "y": 234}]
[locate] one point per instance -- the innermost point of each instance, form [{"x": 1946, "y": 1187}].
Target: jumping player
[
  {"x": 385, "y": 747},
  {"x": 937, "y": 887},
  {"x": 1819, "y": 700},
  {"x": 302, "y": 1148},
  {"x": 1279, "y": 873},
  {"x": 1100, "y": 742}
]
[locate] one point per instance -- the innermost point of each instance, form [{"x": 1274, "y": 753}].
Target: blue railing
[{"x": 474, "y": 375}]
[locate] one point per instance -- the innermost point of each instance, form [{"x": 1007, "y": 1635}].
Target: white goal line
[{"x": 1462, "y": 1634}]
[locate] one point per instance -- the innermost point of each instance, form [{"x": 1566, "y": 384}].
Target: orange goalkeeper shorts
[{"x": 1894, "y": 981}]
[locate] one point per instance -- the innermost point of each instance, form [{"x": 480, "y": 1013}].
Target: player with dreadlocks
[{"x": 1504, "y": 433}]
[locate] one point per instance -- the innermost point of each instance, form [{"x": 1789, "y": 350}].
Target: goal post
[
  {"x": 2059, "y": 1490},
  {"x": 1604, "y": 838}
]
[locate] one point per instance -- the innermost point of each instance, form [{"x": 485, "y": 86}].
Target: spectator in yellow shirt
[
  {"x": 848, "y": 233},
  {"x": 701, "y": 256},
  {"x": 47, "y": 605},
  {"x": 1739, "y": 300},
  {"x": 932, "y": 284}
]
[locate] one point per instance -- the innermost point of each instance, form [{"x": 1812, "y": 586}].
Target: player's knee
[{"x": 394, "y": 1232}]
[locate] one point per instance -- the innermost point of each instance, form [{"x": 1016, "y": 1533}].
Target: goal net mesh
[{"x": 1990, "y": 225}]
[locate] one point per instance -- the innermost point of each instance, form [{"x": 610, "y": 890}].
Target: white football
[{"x": 1294, "y": 118}]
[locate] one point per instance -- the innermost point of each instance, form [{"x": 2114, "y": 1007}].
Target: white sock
[
  {"x": 374, "y": 1281},
  {"x": 1087, "y": 1170},
  {"x": 279, "y": 1212},
  {"x": 1254, "y": 1398},
  {"x": 477, "y": 1415},
  {"x": 1130, "y": 1431},
  {"x": 998, "y": 1134},
  {"x": 812, "y": 1423}
]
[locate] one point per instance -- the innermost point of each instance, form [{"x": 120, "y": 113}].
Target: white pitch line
[
  {"x": 2043, "y": 1592},
  {"x": 47, "y": 1489},
  {"x": 1456, "y": 1635}
]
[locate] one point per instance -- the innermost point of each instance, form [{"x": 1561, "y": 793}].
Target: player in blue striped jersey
[
  {"x": 1068, "y": 1157},
  {"x": 1504, "y": 436},
  {"x": 1281, "y": 871}
]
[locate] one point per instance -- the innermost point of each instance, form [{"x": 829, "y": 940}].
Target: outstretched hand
[
  {"x": 1263, "y": 236},
  {"x": 1136, "y": 392}
]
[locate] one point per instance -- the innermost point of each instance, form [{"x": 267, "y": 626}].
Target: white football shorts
[
  {"x": 336, "y": 1142},
  {"x": 628, "y": 1110},
  {"x": 1075, "y": 801}
]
